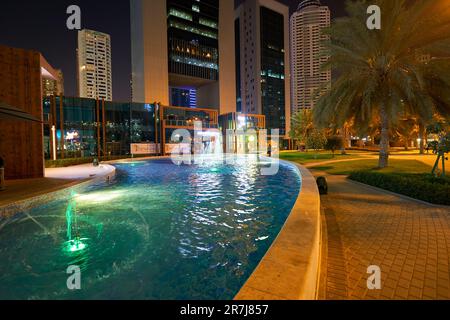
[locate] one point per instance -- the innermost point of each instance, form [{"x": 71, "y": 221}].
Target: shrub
[{"x": 423, "y": 187}]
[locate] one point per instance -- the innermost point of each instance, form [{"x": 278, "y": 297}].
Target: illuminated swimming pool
[{"x": 158, "y": 231}]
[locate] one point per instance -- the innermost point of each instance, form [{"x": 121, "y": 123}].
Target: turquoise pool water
[{"x": 157, "y": 231}]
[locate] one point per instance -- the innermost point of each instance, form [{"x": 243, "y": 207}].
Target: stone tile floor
[{"x": 408, "y": 240}]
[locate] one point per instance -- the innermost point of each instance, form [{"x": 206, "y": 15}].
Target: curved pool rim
[{"x": 290, "y": 269}]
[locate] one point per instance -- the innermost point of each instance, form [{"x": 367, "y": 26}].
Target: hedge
[{"x": 423, "y": 187}]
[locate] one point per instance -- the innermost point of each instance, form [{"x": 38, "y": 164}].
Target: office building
[
  {"x": 263, "y": 85},
  {"x": 183, "y": 53}
]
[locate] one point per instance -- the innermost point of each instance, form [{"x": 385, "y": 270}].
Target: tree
[
  {"x": 334, "y": 143},
  {"x": 384, "y": 74},
  {"x": 407, "y": 130},
  {"x": 302, "y": 126},
  {"x": 316, "y": 140}
]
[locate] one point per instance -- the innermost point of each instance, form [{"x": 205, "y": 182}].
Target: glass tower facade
[
  {"x": 273, "y": 95},
  {"x": 193, "y": 32}
]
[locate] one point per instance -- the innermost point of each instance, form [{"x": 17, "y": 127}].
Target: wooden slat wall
[{"x": 21, "y": 143}]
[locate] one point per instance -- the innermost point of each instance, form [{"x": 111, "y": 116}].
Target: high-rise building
[
  {"x": 181, "y": 47},
  {"x": 94, "y": 65},
  {"x": 263, "y": 85},
  {"x": 53, "y": 85},
  {"x": 307, "y": 48}
]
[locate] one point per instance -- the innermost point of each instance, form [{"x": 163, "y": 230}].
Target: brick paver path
[{"x": 408, "y": 240}]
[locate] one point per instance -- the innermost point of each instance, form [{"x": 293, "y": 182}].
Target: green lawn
[
  {"x": 311, "y": 156},
  {"x": 395, "y": 166}
]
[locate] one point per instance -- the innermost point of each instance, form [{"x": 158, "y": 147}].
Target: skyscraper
[
  {"x": 94, "y": 65},
  {"x": 262, "y": 28},
  {"x": 307, "y": 47},
  {"x": 184, "y": 47}
]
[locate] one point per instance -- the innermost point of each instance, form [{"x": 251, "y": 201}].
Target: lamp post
[{"x": 53, "y": 143}]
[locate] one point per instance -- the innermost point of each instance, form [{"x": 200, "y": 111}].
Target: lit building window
[
  {"x": 195, "y": 8},
  {"x": 208, "y": 23},
  {"x": 181, "y": 26},
  {"x": 195, "y": 62},
  {"x": 180, "y": 14}
]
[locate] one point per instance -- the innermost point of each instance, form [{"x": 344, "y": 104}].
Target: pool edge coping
[
  {"x": 290, "y": 269},
  {"x": 12, "y": 209}
]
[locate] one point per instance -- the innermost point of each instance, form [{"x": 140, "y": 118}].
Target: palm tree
[{"x": 384, "y": 74}]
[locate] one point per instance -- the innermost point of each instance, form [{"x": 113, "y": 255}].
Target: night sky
[{"x": 41, "y": 25}]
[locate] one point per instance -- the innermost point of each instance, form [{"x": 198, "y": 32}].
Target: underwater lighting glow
[
  {"x": 75, "y": 245},
  {"x": 100, "y": 196}
]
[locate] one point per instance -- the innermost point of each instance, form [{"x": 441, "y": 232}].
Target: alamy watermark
[
  {"x": 74, "y": 20},
  {"x": 208, "y": 145},
  {"x": 74, "y": 280},
  {"x": 374, "y": 20},
  {"x": 374, "y": 280}
]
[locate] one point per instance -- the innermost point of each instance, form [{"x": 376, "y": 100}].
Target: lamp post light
[{"x": 53, "y": 143}]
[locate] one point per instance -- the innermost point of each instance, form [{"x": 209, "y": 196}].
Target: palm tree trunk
[
  {"x": 385, "y": 141},
  {"x": 348, "y": 139},
  {"x": 422, "y": 136}
]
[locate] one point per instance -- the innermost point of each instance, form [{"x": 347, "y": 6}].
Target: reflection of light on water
[{"x": 97, "y": 197}]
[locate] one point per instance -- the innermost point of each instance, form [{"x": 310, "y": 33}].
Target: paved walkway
[{"x": 408, "y": 240}]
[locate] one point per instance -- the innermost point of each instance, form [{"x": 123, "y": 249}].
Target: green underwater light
[{"x": 75, "y": 245}]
